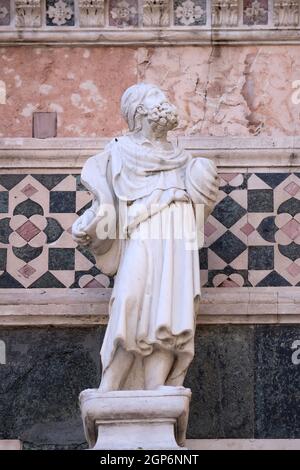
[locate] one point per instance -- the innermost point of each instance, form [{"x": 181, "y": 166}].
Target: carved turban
[{"x": 131, "y": 99}]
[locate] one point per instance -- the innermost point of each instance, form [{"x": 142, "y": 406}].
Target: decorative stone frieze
[
  {"x": 60, "y": 12},
  {"x": 123, "y": 13},
  {"x": 4, "y": 12},
  {"x": 225, "y": 13},
  {"x": 189, "y": 12},
  {"x": 91, "y": 12},
  {"x": 28, "y": 13},
  {"x": 255, "y": 12},
  {"x": 156, "y": 12},
  {"x": 149, "y": 22},
  {"x": 286, "y": 12}
]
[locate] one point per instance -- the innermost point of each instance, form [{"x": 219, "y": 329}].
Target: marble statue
[{"x": 143, "y": 227}]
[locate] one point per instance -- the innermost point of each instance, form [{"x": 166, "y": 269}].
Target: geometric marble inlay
[
  {"x": 29, "y": 190},
  {"x": 28, "y": 230},
  {"x": 292, "y": 188},
  {"x": 251, "y": 237},
  {"x": 228, "y": 211},
  {"x": 209, "y": 229},
  {"x": 247, "y": 229},
  {"x": 27, "y": 270},
  {"x": 294, "y": 269},
  {"x": 228, "y": 247},
  {"x": 291, "y": 229}
]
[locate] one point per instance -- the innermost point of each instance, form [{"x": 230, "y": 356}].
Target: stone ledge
[
  {"x": 243, "y": 444},
  {"x": 150, "y": 37},
  {"x": 89, "y": 307},
  {"x": 10, "y": 444},
  {"x": 207, "y": 444},
  {"x": 228, "y": 152}
]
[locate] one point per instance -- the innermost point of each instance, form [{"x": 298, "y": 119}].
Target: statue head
[{"x": 145, "y": 101}]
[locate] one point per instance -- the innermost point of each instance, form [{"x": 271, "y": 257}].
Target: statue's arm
[
  {"x": 80, "y": 226},
  {"x": 202, "y": 183},
  {"x": 95, "y": 177}
]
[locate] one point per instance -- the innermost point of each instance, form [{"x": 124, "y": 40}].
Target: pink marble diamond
[
  {"x": 292, "y": 188},
  {"x": 228, "y": 176},
  {"x": 29, "y": 190},
  {"x": 93, "y": 284},
  {"x": 209, "y": 229},
  {"x": 293, "y": 269},
  {"x": 28, "y": 230},
  {"x": 228, "y": 283},
  {"x": 27, "y": 270},
  {"x": 291, "y": 229},
  {"x": 247, "y": 229}
]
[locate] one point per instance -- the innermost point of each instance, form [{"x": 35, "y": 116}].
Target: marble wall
[
  {"x": 220, "y": 90},
  {"x": 243, "y": 379}
]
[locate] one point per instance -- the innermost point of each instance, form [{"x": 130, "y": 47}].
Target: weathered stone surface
[
  {"x": 221, "y": 378},
  {"x": 73, "y": 82},
  {"x": 243, "y": 381},
  {"x": 235, "y": 91},
  {"x": 277, "y": 399},
  {"x": 45, "y": 371},
  {"x": 226, "y": 90}
]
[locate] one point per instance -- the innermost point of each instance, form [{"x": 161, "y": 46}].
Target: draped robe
[{"x": 158, "y": 278}]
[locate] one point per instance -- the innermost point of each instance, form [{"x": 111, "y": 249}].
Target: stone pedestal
[{"x": 136, "y": 419}]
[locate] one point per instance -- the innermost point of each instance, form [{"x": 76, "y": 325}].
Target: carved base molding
[
  {"x": 89, "y": 307},
  {"x": 135, "y": 419}
]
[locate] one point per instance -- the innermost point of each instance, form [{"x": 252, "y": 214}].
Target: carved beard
[{"x": 163, "y": 117}]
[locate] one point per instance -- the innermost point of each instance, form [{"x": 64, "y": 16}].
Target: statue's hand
[{"x": 81, "y": 237}]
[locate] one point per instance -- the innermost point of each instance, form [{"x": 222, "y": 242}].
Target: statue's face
[{"x": 161, "y": 114}]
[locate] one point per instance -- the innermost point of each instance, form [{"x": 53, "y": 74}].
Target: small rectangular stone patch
[{"x": 44, "y": 125}]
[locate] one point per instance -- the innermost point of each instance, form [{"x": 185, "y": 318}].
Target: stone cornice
[
  {"x": 228, "y": 152},
  {"x": 150, "y": 37},
  {"x": 163, "y": 22},
  {"x": 89, "y": 307}
]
